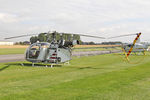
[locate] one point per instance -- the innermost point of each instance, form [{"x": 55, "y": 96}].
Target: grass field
[
  {"x": 13, "y": 46},
  {"x": 5, "y": 51},
  {"x": 14, "y": 49},
  {"x": 103, "y": 77}
]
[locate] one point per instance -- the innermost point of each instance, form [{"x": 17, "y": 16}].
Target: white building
[{"x": 6, "y": 43}]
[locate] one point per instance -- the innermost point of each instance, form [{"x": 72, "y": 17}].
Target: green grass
[
  {"x": 5, "y": 51},
  {"x": 103, "y": 77}
]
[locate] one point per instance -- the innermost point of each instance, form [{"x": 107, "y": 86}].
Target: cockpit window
[
  {"x": 34, "y": 52},
  {"x": 35, "y": 48},
  {"x": 44, "y": 45}
]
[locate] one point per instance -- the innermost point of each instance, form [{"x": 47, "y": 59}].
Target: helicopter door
[{"x": 43, "y": 53}]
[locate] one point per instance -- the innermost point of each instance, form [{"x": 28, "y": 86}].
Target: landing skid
[{"x": 47, "y": 65}]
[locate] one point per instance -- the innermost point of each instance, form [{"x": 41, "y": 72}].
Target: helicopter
[
  {"x": 54, "y": 52},
  {"x": 136, "y": 46}
]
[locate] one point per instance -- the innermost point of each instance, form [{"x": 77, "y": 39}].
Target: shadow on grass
[
  {"x": 5, "y": 67},
  {"x": 89, "y": 68}
]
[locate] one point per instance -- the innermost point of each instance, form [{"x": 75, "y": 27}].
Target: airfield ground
[
  {"x": 13, "y": 46},
  {"x": 6, "y": 51},
  {"x": 101, "y": 77},
  {"x": 14, "y": 49}
]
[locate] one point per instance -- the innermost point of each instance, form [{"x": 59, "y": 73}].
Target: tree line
[{"x": 112, "y": 43}]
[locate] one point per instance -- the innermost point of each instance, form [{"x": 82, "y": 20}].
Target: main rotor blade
[
  {"x": 20, "y": 36},
  {"x": 59, "y": 33},
  {"x": 85, "y": 35},
  {"x": 122, "y": 36}
]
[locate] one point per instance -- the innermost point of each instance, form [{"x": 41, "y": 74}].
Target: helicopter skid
[{"x": 46, "y": 65}]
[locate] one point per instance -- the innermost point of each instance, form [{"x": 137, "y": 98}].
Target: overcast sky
[{"x": 92, "y": 17}]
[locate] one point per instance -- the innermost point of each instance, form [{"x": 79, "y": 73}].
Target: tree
[
  {"x": 91, "y": 43},
  {"x": 33, "y": 39},
  {"x": 42, "y": 37}
]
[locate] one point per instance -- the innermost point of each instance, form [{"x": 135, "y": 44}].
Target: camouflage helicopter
[{"x": 54, "y": 52}]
